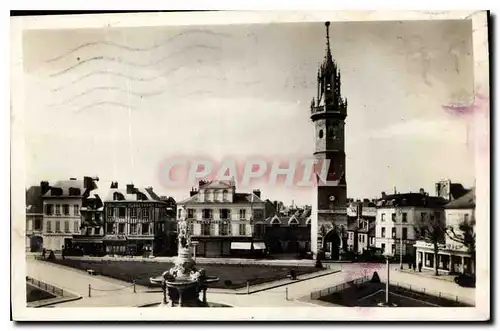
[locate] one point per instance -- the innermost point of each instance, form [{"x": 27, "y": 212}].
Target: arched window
[
  {"x": 118, "y": 196},
  {"x": 225, "y": 196}
]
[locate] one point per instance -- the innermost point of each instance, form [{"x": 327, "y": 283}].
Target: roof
[
  {"x": 34, "y": 203},
  {"x": 411, "y": 200},
  {"x": 220, "y": 184},
  {"x": 287, "y": 220},
  {"x": 457, "y": 190},
  {"x": 65, "y": 186},
  {"x": 148, "y": 192},
  {"x": 467, "y": 201},
  {"x": 237, "y": 198}
]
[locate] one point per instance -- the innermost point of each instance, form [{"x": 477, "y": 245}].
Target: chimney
[
  {"x": 193, "y": 192},
  {"x": 383, "y": 195},
  {"x": 422, "y": 191},
  {"x": 130, "y": 189},
  {"x": 44, "y": 186},
  {"x": 114, "y": 185},
  {"x": 72, "y": 178},
  {"x": 257, "y": 193}
]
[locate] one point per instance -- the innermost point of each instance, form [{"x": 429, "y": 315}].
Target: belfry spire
[{"x": 328, "y": 51}]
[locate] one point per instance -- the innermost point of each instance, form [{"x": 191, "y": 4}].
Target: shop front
[
  {"x": 451, "y": 259},
  {"x": 115, "y": 244}
]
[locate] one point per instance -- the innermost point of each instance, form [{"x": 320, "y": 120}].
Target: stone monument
[{"x": 184, "y": 282}]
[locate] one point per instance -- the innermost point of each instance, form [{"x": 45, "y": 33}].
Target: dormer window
[
  {"x": 118, "y": 196},
  {"x": 210, "y": 196},
  {"x": 225, "y": 195}
]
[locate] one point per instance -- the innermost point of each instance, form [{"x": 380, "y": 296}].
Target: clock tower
[{"x": 328, "y": 114}]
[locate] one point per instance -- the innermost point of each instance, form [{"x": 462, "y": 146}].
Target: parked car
[{"x": 466, "y": 280}]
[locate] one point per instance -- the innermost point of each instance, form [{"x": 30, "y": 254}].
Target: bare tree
[
  {"x": 431, "y": 231},
  {"x": 466, "y": 236}
]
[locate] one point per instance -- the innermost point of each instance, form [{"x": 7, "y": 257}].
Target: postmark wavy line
[
  {"x": 164, "y": 74},
  {"x": 103, "y": 103},
  {"x": 135, "y": 49},
  {"x": 107, "y": 88},
  {"x": 128, "y": 63}
]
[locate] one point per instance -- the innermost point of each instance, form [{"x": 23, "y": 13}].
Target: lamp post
[
  {"x": 399, "y": 212},
  {"x": 387, "y": 257}
]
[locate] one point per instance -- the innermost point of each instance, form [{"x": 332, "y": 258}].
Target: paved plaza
[{"x": 108, "y": 292}]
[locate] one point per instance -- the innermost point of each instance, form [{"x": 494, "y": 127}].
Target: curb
[
  {"x": 56, "y": 302},
  {"x": 241, "y": 292}
]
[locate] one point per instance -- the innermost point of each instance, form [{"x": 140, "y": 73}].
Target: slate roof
[
  {"x": 34, "y": 202},
  {"x": 148, "y": 192},
  {"x": 285, "y": 220},
  {"x": 411, "y": 200},
  {"x": 467, "y": 201},
  {"x": 457, "y": 191},
  {"x": 237, "y": 198},
  {"x": 64, "y": 186}
]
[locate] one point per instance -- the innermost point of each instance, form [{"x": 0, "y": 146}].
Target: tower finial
[{"x": 327, "y": 25}]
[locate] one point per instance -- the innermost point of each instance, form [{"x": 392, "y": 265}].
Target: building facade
[
  {"x": 328, "y": 113},
  {"x": 221, "y": 221},
  {"x": 361, "y": 226},
  {"x": 398, "y": 216},
  {"x": 61, "y": 206},
  {"x": 34, "y": 218},
  {"x": 453, "y": 257},
  {"x": 90, "y": 238},
  {"x": 289, "y": 232},
  {"x": 131, "y": 218}
]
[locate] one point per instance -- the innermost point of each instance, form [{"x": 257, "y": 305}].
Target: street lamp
[
  {"x": 387, "y": 258},
  {"x": 399, "y": 212}
]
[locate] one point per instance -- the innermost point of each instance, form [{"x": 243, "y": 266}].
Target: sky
[{"x": 117, "y": 102}]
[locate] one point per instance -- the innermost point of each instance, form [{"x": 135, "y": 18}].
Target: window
[
  {"x": 58, "y": 209},
  {"x": 76, "y": 228},
  {"x": 466, "y": 218},
  {"x": 225, "y": 196},
  {"x": 133, "y": 212},
  {"x": 145, "y": 228},
  {"x": 49, "y": 226},
  {"x": 66, "y": 226},
  {"x": 243, "y": 214},
  {"x": 405, "y": 233},
  {"x": 58, "y": 226},
  {"x": 393, "y": 233},
  {"x": 206, "y": 229},
  {"x": 97, "y": 231},
  {"x": 49, "y": 210},
  {"x": 65, "y": 209},
  {"x": 207, "y": 214},
  {"x": 224, "y": 229},
  {"x": 224, "y": 214},
  {"x": 190, "y": 213},
  {"x": 38, "y": 224},
  {"x": 210, "y": 196},
  {"x": 383, "y": 217},
  {"x": 258, "y": 214},
  {"x": 350, "y": 235},
  {"x": 405, "y": 217},
  {"x": 393, "y": 216},
  {"x": 121, "y": 228},
  {"x": 383, "y": 233},
  {"x": 111, "y": 211},
  {"x": 393, "y": 249},
  {"x": 429, "y": 260},
  {"x": 382, "y": 247},
  {"x": 320, "y": 134},
  {"x": 121, "y": 212},
  {"x": 422, "y": 217},
  {"x": 109, "y": 228},
  {"x": 179, "y": 214},
  {"x": 242, "y": 229},
  {"x": 145, "y": 213}
]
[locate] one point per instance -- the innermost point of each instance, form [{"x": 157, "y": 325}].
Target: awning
[
  {"x": 259, "y": 245},
  {"x": 241, "y": 245},
  {"x": 87, "y": 240}
]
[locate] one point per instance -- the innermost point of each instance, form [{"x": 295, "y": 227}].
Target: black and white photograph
[{"x": 321, "y": 164}]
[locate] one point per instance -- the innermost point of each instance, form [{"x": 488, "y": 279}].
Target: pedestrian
[
  {"x": 409, "y": 265},
  {"x": 43, "y": 253},
  {"x": 414, "y": 266},
  {"x": 420, "y": 267}
]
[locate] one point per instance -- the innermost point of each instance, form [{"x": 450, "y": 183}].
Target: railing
[
  {"x": 46, "y": 287},
  {"x": 439, "y": 294},
  {"x": 337, "y": 288}
]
